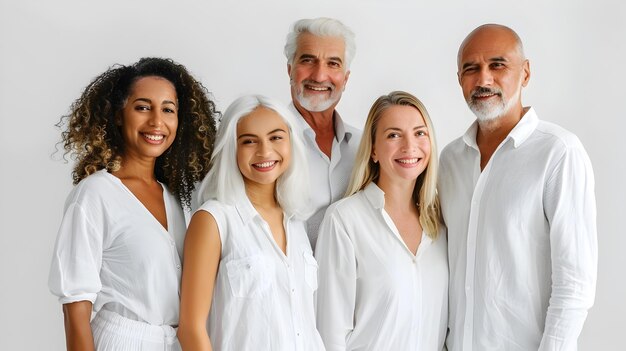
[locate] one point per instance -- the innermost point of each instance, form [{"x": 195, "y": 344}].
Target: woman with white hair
[
  {"x": 248, "y": 264},
  {"x": 382, "y": 253}
]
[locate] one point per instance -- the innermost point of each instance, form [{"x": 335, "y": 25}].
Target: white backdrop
[{"x": 50, "y": 50}]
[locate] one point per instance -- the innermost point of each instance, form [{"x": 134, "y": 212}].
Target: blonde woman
[{"x": 382, "y": 251}]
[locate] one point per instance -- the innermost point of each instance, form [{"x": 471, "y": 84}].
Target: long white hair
[{"x": 224, "y": 181}]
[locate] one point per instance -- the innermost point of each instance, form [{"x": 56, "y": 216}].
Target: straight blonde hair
[{"x": 366, "y": 171}]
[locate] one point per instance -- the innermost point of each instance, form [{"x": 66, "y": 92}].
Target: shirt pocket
[
  {"x": 310, "y": 270},
  {"x": 248, "y": 276}
]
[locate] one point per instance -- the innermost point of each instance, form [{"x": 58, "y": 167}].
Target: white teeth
[
  {"x": 317, "y": 88},
  {"x": 265, "y": 164},
  {"x": 409, "y": 161},
  {"x": 154, "y": 137}
]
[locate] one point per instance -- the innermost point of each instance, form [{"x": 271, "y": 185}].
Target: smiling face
[
  {"x": 492, "y": 72},
  {"x": 149, "y": 118},
  {"x": 318, "y": 72},
  {"x": 263, "y": 147},
  {"x": 401, "y": 145}
]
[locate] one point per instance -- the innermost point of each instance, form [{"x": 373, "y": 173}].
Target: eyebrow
[
  {"x": 493, "y": 59},
  {"x": 150, "y": 101},
  {"x": 250, "y": 135},
  {"x": 414, "y": 128},
  {"x": 310, "y": 56}
]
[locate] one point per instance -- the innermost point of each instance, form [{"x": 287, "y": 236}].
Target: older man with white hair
[{"x": 319, "y": 52}]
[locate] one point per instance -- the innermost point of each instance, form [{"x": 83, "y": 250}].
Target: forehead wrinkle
[{"x": 509, "y": 34}]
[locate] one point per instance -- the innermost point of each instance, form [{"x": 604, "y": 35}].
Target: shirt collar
[
  {"x": 247, "y": 212},
  {"x": 340, "y": 129},
  {"x": 375, "y": 195},
  {"x": 519, "y": 133}
]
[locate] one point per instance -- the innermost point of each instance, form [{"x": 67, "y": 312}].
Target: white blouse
[
  {"x": 263, "y": 299},
  {"x": 373, "y": 293},
  {"x": 110, "y": 250}
]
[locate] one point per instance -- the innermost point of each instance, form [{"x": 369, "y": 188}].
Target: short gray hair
[
  {"x": 224, "y": 181},
  {"x": 321, "y": 27}
]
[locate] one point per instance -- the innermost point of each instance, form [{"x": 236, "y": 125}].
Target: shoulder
[
  {"x": 557, "y": 136},
  {"x": 217, "y": 208},
  {"x": 453, "y": 149},
  {"x": 92, "y": 190},
  {"x": 349, "y": 208}
]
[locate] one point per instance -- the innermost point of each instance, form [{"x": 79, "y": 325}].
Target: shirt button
[
  {"x": 177, "y": 266},
  {"x": 172, "y": 243},
  {"x": 293, "y": 290}
]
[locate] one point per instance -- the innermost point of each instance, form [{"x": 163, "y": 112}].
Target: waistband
[{"x": 123, "y": 326}]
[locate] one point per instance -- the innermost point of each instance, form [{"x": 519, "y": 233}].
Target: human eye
[
  {"x": 334, "y": 64},
  {"x": 276, "y": 137},
  {"x": 497, "y": 65},
  {"x": 393, "y": 135},
  {"x": 142, "y": 108},
  {"x": 421, "y": 133},
  {"x": 246, "y": 141},
  {"x": 169, "y": 110},
  {"x": 470, "y": 70}
]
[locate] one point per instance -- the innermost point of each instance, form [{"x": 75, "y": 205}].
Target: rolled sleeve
[{"x": 77, "y": 258}]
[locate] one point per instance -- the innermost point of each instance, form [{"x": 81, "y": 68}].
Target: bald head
[{"x": 491, "y": 33}]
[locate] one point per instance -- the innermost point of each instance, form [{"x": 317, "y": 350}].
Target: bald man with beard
[{"x": 517, "y": 196}]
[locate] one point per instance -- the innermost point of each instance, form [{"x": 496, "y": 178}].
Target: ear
[
  {"x": 289, "y": 70},
  {"x": 526, "y": 73},
  {"x": 373, "y": 155},
  {"x": 458, "y": 77},
  {"x": 118, "y": 119},
  {"x": 345, "y": 79}
]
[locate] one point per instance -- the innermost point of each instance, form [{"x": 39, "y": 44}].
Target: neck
[
  {"x": 261, "y": 195},
  {"x": 496, "y": 130},
  {"x": 137, "y": 168},
  {"x": 398, "y": 194},
  {"x": 321, "y": 122}
]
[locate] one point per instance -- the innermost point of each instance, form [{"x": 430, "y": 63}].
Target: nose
[
  {"x": 263, "y": 148},
  {"x": 156, "y": 118},
  {"x": 409, "y": 145},
  {"x": 485, "y": 77},
  {"x": 319, "y": 73}
]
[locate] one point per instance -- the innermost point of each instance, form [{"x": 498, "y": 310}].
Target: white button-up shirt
[
  {"x": 329, "y": 178},
  {"x": 110, "y": 250},
  {"x": 521, "y": 238},
  {"x": 374, "y": 293},
  {"x": 263, "y": 299}
]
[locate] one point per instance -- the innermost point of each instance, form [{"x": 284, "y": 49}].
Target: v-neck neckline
[{"x": 140, "y": 204}]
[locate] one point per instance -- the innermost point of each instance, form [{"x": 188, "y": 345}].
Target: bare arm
[
  {"x": 78, "y": 334},
  {"x": 201, "y": 260}
]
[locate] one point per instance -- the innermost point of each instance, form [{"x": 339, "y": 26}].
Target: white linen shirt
[
  {"x": 329, "y": 178},
  {"x": 374, "y": 294},
  {"x": 112, "y": 251},
  {"x": 263, "y": 299},
  {"x": 521, "y": 239}
]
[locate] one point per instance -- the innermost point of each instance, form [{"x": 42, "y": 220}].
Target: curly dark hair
[{"x": 94, "y": 140}]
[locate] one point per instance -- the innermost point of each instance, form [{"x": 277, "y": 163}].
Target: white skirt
[{"x": 112, "y": 332}]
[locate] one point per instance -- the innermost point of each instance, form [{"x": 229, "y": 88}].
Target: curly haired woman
[{"x": 142, "y": 136}]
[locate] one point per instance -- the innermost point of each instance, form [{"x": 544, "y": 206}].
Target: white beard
[
  {"x": 315, "y": 103},
  {"x": 491, "y": 110}
]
